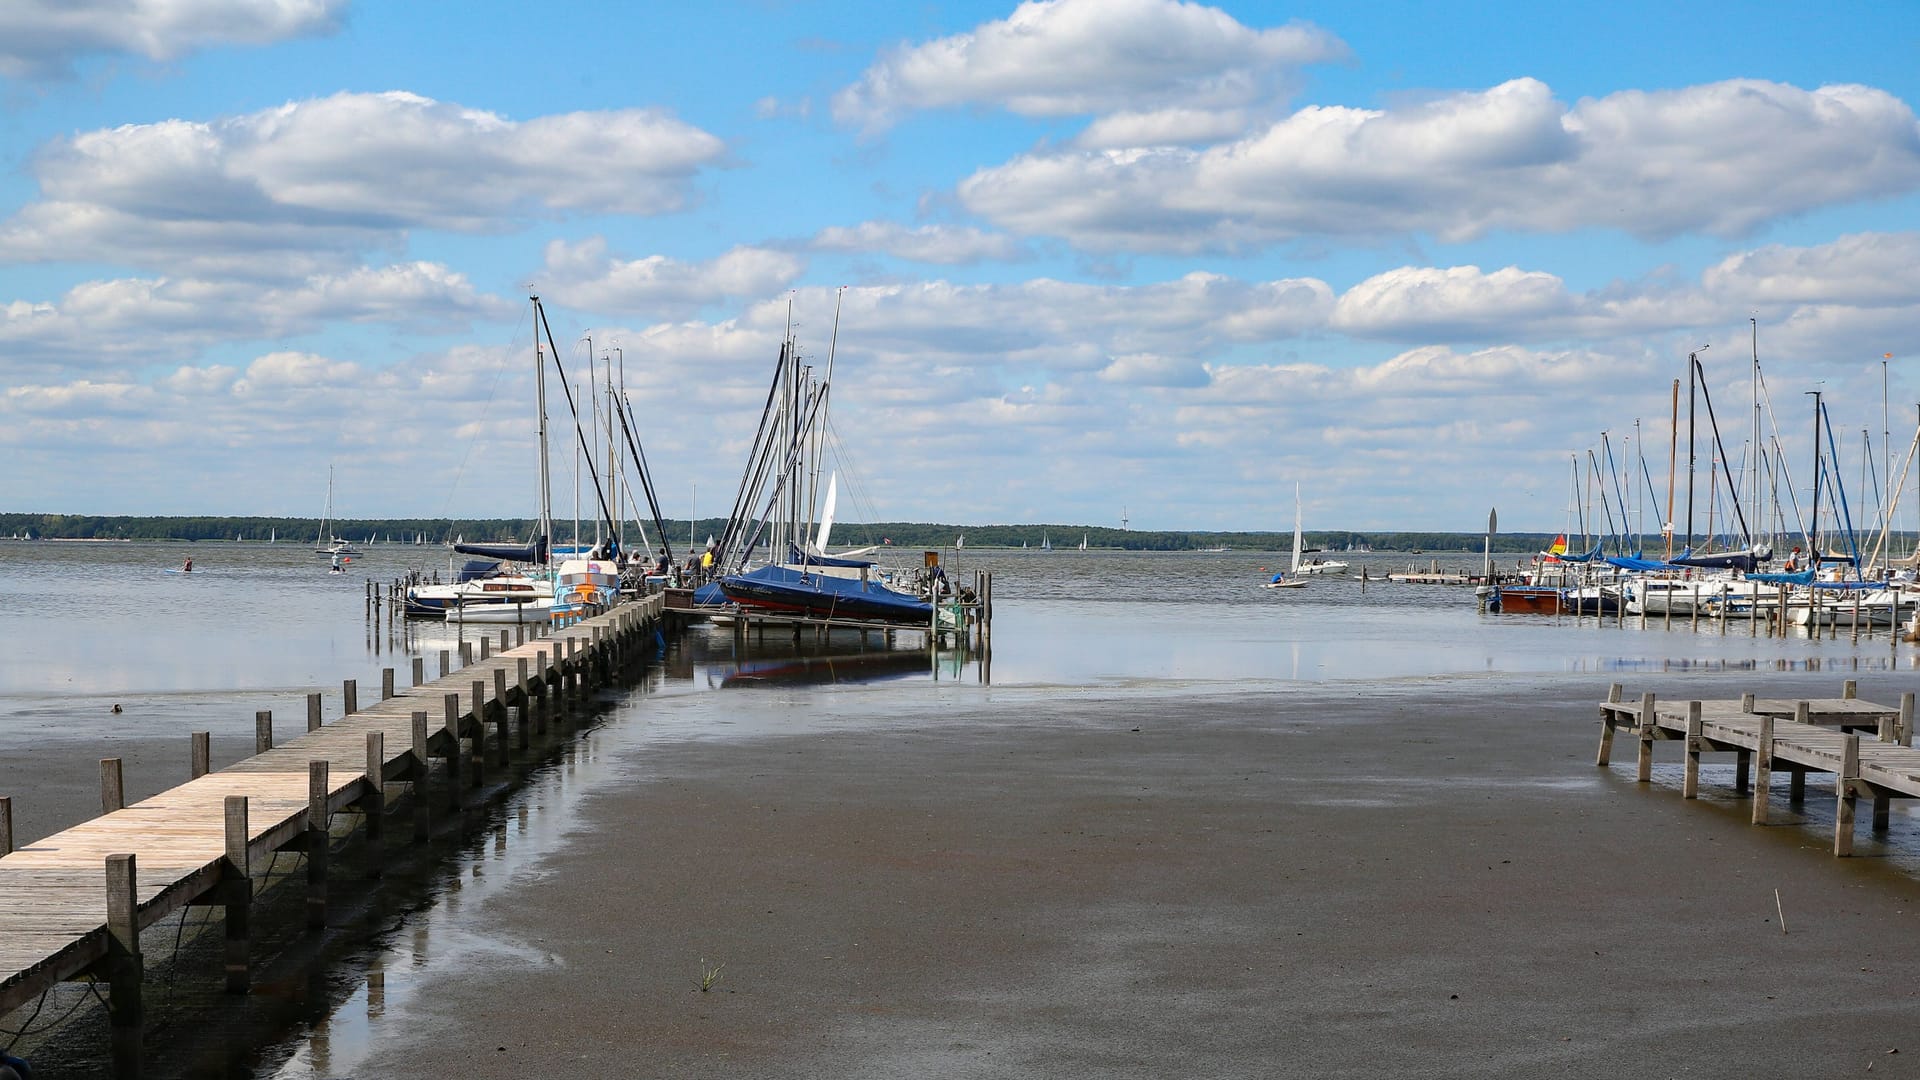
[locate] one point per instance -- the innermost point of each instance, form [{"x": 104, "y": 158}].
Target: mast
[
  {"x": 1673, "y": 442},
  {"x": 1813, "y": 534},
  {"x": 540, "y": 398}
]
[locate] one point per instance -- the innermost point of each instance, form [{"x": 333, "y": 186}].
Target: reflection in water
[{"x": 711, "y": 657}]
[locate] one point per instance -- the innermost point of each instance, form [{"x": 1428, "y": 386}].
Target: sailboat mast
[
  {"x": 1673, "y": 442},
  {"x": 1813, "y": 535},
  {"x": 540, "y": 399}
]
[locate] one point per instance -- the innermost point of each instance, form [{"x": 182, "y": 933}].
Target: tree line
[{"x": 681, "y": 534}]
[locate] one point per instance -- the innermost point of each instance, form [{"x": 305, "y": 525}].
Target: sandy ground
[{"x": 1427, "y": 880}]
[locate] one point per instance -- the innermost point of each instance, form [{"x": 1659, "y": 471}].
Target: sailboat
[
  {"x": 326, "y": 543},
  {"x": 1083, "y": 541},
  {"x": 1290, "y": 578},
  {"x": 1314, "y": 565},
  {"x": 1045, "y": 544}
]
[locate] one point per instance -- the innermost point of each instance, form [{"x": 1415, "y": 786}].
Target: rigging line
[
  {"x": 1745, "y": 533},
  {"x": 574, "y": 408}
]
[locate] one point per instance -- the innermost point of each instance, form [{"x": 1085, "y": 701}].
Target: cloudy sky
[{"x": 1091, "y": 256}]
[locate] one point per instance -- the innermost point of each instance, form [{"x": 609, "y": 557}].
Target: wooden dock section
[
  {"x": 1767, "y": 736},
  {"x": 72, "y": 905}
]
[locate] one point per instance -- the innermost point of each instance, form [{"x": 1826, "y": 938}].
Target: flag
[{"x": 1558, "y": 549}]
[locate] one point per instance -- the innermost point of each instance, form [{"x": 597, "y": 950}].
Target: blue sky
[{"x": 1172, "y": 258}]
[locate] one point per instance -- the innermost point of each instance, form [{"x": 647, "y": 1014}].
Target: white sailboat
[
  {"x": 1290, "y": 578},
  {"x": 327, "y": 543},
  {"x": 1314, "y": 565},
  {"x": 1083, "y": 541}
]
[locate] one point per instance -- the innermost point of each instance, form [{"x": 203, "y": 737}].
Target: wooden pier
[
  {"x": 1767, "y": 736},
  {"x": 72, "y": 905}
]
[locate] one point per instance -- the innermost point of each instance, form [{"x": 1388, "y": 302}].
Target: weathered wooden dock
[
  {"x": 72, "y": 905},
  {"x": 1767, "y": 736}
]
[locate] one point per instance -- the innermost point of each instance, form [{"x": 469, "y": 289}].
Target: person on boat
[
  {"x": 706, "y": 562},
  {"x": 188, "y": 569}
]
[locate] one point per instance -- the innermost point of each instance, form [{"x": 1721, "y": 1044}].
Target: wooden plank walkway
[
  {"x": 1767, "y": 735},
  {"x": 72, "y": 904}
]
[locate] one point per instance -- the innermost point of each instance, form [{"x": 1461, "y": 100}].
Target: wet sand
[{"x": 1414, "y": 879}]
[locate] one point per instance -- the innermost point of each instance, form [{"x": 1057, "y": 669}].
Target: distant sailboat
[
  {"x": 1083, "y": 541},
  {"x": 961, "y": 542},
  {"x": 1045, "y": 544}
]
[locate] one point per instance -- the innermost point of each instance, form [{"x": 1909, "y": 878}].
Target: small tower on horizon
[{"x": 1123, "y": 519}]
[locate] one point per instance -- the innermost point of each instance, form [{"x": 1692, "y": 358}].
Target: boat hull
[{"x": 780, "y": 590}]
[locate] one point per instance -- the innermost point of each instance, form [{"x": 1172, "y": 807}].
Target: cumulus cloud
[
  {"x": 585, "y": 277},
  {"x": 951, "y": 245},
  {"x": 43, "y": 38},
  {"x": 1163, "y": 127},
  {"x": 1070, "y": 57},
  {"x": 146, "y": 320},
  {"x": 1722, "y": 159},
  {"x": 321, "y": 178},
  {"x": 1425, "y": 303}
]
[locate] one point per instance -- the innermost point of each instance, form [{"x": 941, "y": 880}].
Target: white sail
[
  {"x": 1295, "y": 568},
  {"x": 826, "y": 514}
]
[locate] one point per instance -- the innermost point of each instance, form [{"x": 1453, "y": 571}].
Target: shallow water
[{"x": 258, "y": 626}]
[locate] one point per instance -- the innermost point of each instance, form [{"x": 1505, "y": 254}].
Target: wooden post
[
  {"x": 263, "y": 731},
  {"x": 1763, "y": 770},
  {"x": 1644, "y": 772},
  {"x": 236, "y": 894},
  {"x": 202, "y": 754},
  {"x": 479, "y": 729},
  {"x": 317, "y": 814},
  {"x": 1746, "y": 702},
  {"x": 419, "y": 670},
  {"x": 1606, "y": 727},
  {"x": 1904, "y": 728},
  {"x": 1851, "y": 688},
  {"x": 452, "y": 705},
  {"x": 503, "y": 640},
  {"x": 350, "y": 693},
  {"x": 113, "y": 795},
  {"x": 123, "y": 965},
  {"x": 422, "y": 821},
  {"x": 386, "y": 683},
  {"x": 1846, "y": 787},
  {"x": 446, "y": 661},
  {"x": 314, "y": 719},
  {"x": 486, "y": 646},
  {"x": 1690, "y": 785},
  {"x": 374, "y": 803},
  {"x": 1797, "y": 783},
  {"x": 519, "y": 634},
  {"x": 500, "y": 703},
  {"x": 541, "y": 668},
  {"x": 466, "y": 654},
  {"x": 6, "y": 824}
]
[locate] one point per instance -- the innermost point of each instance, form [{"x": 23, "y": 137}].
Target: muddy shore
[{"x": 1424, "y": 879}]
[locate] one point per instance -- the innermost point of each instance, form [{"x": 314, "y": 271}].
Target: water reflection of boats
[{"x": 816, "y": 670}]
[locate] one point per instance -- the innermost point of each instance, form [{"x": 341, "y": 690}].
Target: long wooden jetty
[
  {"x": 72, "y": 905},
  {"x": 1767, "y": 736}
]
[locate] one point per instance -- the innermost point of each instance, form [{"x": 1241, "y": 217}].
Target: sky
[{"x": 1090, "y": 260}]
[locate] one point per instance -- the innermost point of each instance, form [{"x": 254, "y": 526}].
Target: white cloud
[
  {"x": 144, "y": 320},
  {"x": 951, "y": 245},
  {"x": 1427, "y": 303},
  {"x": 1069, "y": 57},
  {"x": 1723, "y": 158},
  {"x": 321, "y": 178},
  {"x": 584, "y": 277},
  {"x": 42, "y": 38},
  {"x": 1163, "y": 127}
]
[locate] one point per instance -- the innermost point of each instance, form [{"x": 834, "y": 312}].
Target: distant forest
[{"x": 895, "y": 533}]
